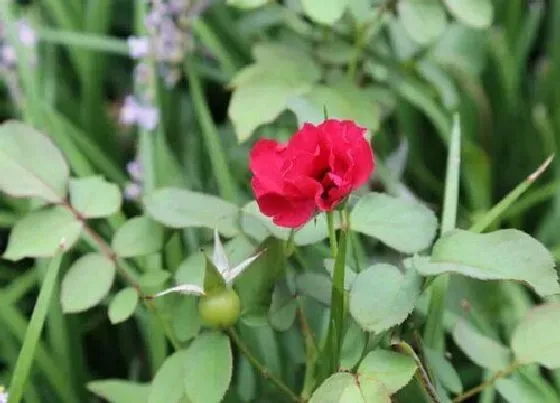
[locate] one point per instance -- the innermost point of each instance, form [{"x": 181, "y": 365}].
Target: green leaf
[
  {"x": 33, "y": 333},
  {"x": 404, "y": 225},
  {"x": 443, "y": 371},
  {"x": 263, "y": 89},
  {"x": 138, "y": 236},
  {"x": 344, "y": 100},
  {"x": 93, "y": 197},
  {"x": 87, "y": 282},
  {"x": 255, "y": 284},
  {"x": 382, "y": 297},
  {"x": 480, "y": 349},
  {"x": 353, "y": 345},
  {"x": 393, "y": 370},
  {"x": 123, "y": 305},
  {"x": 246, "y": 3},
  {"x": 179, "y": 208},
  {"x": 119, "y": 391},
  {"x": 461, "y": 47},
  {"x": 344, "y": 387},
  {"x": 349, "y": 274},
  {"x": 185, "y": 317},
  {"x": 41, "y": 233},
  {"x": 424, "y": 20},
  {"x": 168, "y": 384},
  {"x": 501, "y": 255},
  {"x": 324, "y": 11},
  {"x": 282, "y": 311},
  {"x": 476, "y": 13},
  {"x": 536, "y": 337},
  {"x": 208, "y": 368},
  {"x": 315, "y": 285},
  {"x": 30, "y": 163},
  {"x": 522, "y": 390}
]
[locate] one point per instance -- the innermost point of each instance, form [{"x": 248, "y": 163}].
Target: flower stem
[
  {"x": 332, "y": 234},
  {"x": 331, "y": 352},
  {"x": 261, "y": 368},
  {"x": 310, "y": 355},
  {"x": 489, "y": 382}
]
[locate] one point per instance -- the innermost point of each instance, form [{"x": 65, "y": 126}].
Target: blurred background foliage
[{"x": 254, "y": 68}]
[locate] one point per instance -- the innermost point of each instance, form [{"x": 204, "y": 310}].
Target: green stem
[
  {"x": 261, "y": 368},
  {"x": 331, "y": 351},
  {"x": 310, "y": 355},
  {"x": 434, "y": 331},
  {"x": 489, "y": 382},
  {"x": 332, "y": 233},
  {"x": 226, "y": 183},
  {"x": 87, "y": 41}
]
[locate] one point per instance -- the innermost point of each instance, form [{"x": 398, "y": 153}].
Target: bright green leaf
[
  {"x": 208, "y": 368},
  {"x": 500, "y": 255},
  {"x": 424, "y": 20},
  {"x": 536, "y": 337},
  {"x": 344, "y": 387},
  {"x": 119, "y": 391},
  {"x": 138, "y": 236},
  {"x": 168, "y": 385},
  {"x": 476, "y": 13},
  {"x": 93, "y": 197},
  {"x": 480, "y": 349},
  {"x": 185, "y": 317},
  {"x": 263, "y": 89},
  {"x": 123, "y": 305},
  {"x": 41, "y": 233},
  {"x": 344, "y": 100},
  {"x": 30, "y": 163},
  {"x": 382, "y": 297},
  {"x": 404, "y": 225},
  {"x": 179, "y": 208},
  {"x": 393, "y": 370},
  {"x": 324, "y": 11},
  {"x": 87, "y": 282}
]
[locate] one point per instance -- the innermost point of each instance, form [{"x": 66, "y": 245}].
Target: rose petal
[{"x": 265, "y": 162}]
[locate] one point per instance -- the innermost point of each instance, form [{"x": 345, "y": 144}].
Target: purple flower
[
  {"x": 132, "y": 191},
  {"x": 135, "y": 170},
  {"x": 138, "y": 47},
  {"x": 26, "y": 34}
]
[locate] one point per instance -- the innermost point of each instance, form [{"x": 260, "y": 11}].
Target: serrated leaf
[
  {"x": 208, "y": 368},
  {"x": 138, "y": 236},
  {"x": 401, "y": 224},
  {"x": 93, "y": 197},
  {"x": 343, "y": 387},
  {"x": 393, "y": 370},
  {"x": 31, "y": 165},
  {"x": 324, "y": 11},
  {"x": 481, "y": 349},
  {"x": 536, "y": 337},
  {"x": 501, "y": 255},
  {"x": 168, "y": 384},
  {"x": 120, "y": 391},
  {"x": 476, "y": 13},
  {"x": 41, "y": 233},
  {"x": 87, "y": 282},
  {"x": 424, "y": 20},
  {"x": 179, "y": 208},
  {"x": 382, "y": 297},
  {"x": 263, "y": 89},
  {"x": 123, "y": 305}
]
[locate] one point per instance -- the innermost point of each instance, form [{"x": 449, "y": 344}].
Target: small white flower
[
  {"x": 3, "y": 395},
  {"x": 138, "y": 47},
  {"x": 147, "y": 117},
  {"x": 132, "y": 191},
  {"x": 135, "y": 170},
  {"x": 8, "y": 55},
  {"x": 26, "y": 34},
  {"x": 129, "y": 111},
  {"x": 221, "y": 261}
]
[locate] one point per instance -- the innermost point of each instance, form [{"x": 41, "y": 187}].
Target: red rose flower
[{"x": 316, "y": 170}]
